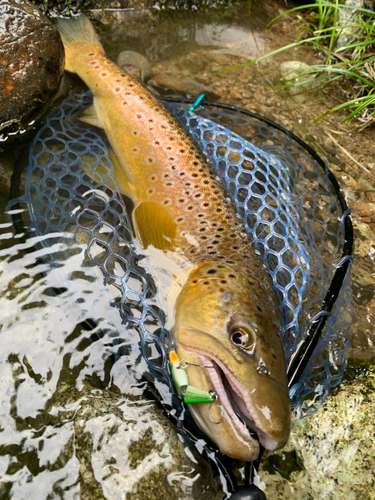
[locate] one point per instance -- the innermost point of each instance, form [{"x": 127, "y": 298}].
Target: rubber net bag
[{"x": 285, "y": 199}]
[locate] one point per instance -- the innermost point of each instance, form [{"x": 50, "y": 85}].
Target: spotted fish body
[{"x": 225, "y": 312}]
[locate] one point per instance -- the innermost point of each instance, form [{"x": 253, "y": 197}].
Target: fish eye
[{"x": 241, "y": 338}]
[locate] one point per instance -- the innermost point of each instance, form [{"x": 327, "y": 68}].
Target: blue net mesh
[{"x": 281, "y": 193}]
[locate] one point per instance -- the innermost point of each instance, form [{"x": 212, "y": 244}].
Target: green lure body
[{"x": 186, "y": 392}]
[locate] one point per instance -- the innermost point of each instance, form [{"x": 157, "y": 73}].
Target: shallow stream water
[{"x": 77, "y": 420}]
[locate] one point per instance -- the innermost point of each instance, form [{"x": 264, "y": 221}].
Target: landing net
[{"x": 289, "y": 205}]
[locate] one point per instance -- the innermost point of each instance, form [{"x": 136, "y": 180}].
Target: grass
[{"x": 344, "y": 36}]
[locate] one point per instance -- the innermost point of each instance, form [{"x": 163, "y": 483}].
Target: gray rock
[
  {"x": 31, "y": 63},
  {"x": 135, "y": 64},
  {"x": 292, "y": 72}
]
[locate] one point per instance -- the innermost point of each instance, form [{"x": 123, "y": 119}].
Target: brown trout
[{"x": 224, "y": 310}]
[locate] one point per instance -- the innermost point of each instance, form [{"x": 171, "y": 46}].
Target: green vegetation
[{"x": 344, "y": 36}]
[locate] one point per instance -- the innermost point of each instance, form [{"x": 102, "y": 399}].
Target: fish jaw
[
  {"x": 241, "y": 403},
  {"x": 217, "y": 420}
]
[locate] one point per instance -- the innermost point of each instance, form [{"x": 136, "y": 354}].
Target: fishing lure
[{"x": 186, "y": 392}]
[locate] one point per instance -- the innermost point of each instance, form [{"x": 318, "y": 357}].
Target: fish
[{"x": 224, "y": 312}]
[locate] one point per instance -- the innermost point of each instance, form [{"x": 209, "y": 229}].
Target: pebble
[{"x": 365, "y": 210}]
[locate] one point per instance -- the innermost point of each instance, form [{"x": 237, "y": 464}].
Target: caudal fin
[{"x": 77, "y": 29}]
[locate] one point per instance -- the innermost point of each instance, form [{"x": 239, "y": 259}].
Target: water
[{"x": 78, "y": 424}]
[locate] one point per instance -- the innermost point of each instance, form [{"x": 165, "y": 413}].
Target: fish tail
[{"x": 77, "y": 34}]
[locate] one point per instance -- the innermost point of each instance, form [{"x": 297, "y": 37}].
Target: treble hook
[{"x": 216, "y": 398}]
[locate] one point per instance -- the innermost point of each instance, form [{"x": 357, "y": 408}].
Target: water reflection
[{"x": 63, "y": 431}]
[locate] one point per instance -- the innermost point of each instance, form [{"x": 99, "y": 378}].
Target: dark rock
[{"x": 31, "y": 64}]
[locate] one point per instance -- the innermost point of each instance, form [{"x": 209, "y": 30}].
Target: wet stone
[
  {"x": 335, "y": 448},
  {"x": 31, "y": 63}
]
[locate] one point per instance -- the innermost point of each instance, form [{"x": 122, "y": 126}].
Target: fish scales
[
  {"x": 225, "y": 311},
  {"x": 169, "y": 167}
]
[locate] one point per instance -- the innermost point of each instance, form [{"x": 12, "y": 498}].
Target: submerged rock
[
  {"x": 31, "y": 63},
  {"x": 292, "y": 72},
  {"x": 335, "y": 448},
  {"x": 135, "y": 64}
]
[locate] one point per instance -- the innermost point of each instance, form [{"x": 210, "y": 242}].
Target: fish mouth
[{"x": 236, "y": 401}]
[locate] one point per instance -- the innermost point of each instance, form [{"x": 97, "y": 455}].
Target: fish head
[{"x": 227, "y": 329}]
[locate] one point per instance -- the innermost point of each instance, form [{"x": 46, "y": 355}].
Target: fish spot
[
  {"x": 97, "y": 67},
  {"x": 91, "y": 54},
  {"x": 181, "y": 200},
  {"x": 151, "y": 191},
  {"x": 190, "y": 207},
  {"x": 205, "y": 204},
  {"x": 195, "y": 163},
  {"x": 153, "y": 177},
  {"x": 150, "y": 160},
  {"x": 128, "y": 93},
  {"x": 198, "y": 195},
  {"x": 235, "y": 247},
  {"x": 124, "y": 103},
  {"x": 223, "y": 282},
  {"x": 167, "y": 201},
  {"x": 92, "y": 63},
  {"x": 212, "y": 271},
  {"x": 135, "y": 132},
  {"x": 182, "y": 174},
  {"x": 206, "y": 282},
  {"x": 118, "y": 89},
  {"x": 169, "y": 184},
  {"x": 104, "y": 74},
  {"x": 166, "y": 176},
  {"x": 203, "y": 237},
  {"x": 180, "y": 219},
  {"x": 118, "y": 81},
  {"x": 259, "y": 309},
  {"x": 232, "y": 276},
  {"x": 194, "y": 175},
  {"x": 139, "y": 116},
  {"x": 135, "y": 150},
  {"x": 202, "y": 229}
]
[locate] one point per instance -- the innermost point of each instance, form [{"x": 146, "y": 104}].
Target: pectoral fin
[
  {"x": 90, "y": 116},
  {"x": 154, "y": 226},
  {"x": 123, "y": 181}
]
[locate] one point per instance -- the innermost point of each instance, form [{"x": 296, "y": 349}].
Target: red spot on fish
[
  {"x": 104, "y": 74},
  {"x": 125, "y": 103},
  {"x": 117, "y": 89},
  {"x": 93, "y": 62},
  {"x": 150, "y": 160}
]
